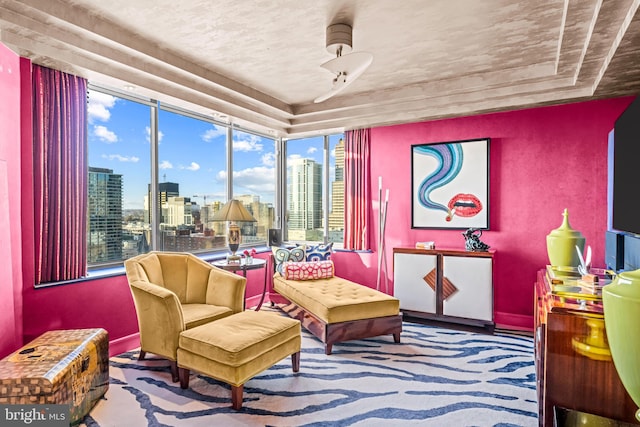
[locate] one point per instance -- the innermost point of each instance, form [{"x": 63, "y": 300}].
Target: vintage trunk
[{"x": 59, "y": 367}]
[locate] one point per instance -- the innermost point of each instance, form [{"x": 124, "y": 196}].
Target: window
[
  {"x": 191, "y": 181},
  {"x": 189, "y": 169},
  {"x": 315, "y": 189},
  {"x": 254, "y": 182},
  {"x": 119, "y": 170}
]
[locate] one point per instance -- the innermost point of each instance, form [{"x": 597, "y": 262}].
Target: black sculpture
[{"x": 472, "y": 241}]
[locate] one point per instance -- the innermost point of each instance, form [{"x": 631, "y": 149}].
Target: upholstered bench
[
  {"x": 336, "y": 310},
  {"x": 237, "y": 348}
]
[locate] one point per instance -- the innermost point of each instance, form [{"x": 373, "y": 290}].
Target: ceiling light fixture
[{"x": 346, "y": 66}]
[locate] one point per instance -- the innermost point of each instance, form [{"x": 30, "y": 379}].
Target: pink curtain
[
  {"x": 357, "y": 194},
  {"x": 60, "y": 174}
]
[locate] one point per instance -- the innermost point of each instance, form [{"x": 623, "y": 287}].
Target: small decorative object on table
[
  {"x": 472, "y": 241},
  {"x": 249, "y": 255},
  {"x": 562, "y": 242},
  {"x": 621, "y": 306}
]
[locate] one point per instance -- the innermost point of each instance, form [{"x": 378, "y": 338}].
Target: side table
[{"x": 244, "y": 267}]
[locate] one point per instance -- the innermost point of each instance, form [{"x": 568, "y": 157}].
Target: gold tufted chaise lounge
[
  {"x": 336, "y": 309},
  {"x": 174, "y": 292}
]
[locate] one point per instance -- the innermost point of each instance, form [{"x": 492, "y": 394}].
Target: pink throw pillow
[{"x": 308, "y": 270}]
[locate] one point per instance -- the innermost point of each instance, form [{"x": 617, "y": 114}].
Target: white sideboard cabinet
[{"x": 444, "y": 284}]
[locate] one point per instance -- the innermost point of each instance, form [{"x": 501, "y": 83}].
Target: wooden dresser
[{"x": 574, "y": 369}]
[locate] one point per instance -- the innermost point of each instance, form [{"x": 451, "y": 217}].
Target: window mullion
[
  {"x": 325, "y": 191},
  {"x": 154, "y": 194}
]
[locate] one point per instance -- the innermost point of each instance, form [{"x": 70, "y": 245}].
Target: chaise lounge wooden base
[
  {"x": 337, "y": 310},
  {"x": 330, "y": 333}
]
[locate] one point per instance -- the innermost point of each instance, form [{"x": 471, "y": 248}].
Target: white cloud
[
  {"x": 311, "y": 150},
  {"x": 259, "y": 179},
  {"x": 294, "y": 157},
  {"x": 147, "y": 131},
  {"x": 165, "y": 164},
  {"x": 247, "y": 142},
  {"x": 98, "y": 106},
  {"x": 105, "y": 134},
  {"x": 212, "y": 134},
  {"x": 269, "y": 159},
  {"x": 121, "y": 158},
  {"x": 192, "y": 167}
]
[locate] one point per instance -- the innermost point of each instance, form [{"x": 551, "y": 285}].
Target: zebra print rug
[{"x": 434, "y": 377}]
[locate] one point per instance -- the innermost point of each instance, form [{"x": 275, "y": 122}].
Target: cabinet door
[
  {"x": 469, "y": 291},
  {"x": 413, "y": 278}
]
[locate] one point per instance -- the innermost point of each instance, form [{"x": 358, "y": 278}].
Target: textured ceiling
[{"x": 257, "y": 63}]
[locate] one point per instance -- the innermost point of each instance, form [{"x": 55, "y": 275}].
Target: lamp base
[{"x": 233, "y": 259}]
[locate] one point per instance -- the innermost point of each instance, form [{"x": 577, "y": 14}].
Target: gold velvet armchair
[{"x": 173, "y": 292}]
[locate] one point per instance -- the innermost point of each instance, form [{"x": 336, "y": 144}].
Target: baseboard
[
  {"x": 518, "y": 322},
  {"x": 124, "y": 344}
]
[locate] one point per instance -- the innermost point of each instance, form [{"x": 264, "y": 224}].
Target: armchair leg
[
  {"x": 174, "y": 370},
  {"x": 396, "y": 337},
  {"x": 236, "y": 396},
  {"x": 142, "y": 355},
  {"x": 184, "y": 377}
]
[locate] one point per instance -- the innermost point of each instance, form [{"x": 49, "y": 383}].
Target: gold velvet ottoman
[{"x": 237, "y": 348}]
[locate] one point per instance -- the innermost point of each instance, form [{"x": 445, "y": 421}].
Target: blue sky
[{"x": 191, "y": 152}]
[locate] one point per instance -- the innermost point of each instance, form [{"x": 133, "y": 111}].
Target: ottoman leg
[
  {"x": 184, "y": 377},
  {"x": 236, "y": 396},
  {"x": 295, "y": 361},
  {"x": 142, "y": 355},
  {"x": 396, "y": 337}
]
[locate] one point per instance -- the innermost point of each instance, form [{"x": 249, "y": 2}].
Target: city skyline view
[{"x": 191, "y": 152}]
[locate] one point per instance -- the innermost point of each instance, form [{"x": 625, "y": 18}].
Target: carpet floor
[{"x": 434, "y": 377}]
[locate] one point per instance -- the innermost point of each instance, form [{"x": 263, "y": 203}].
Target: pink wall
[
  {"x": 11, "y": 270},
  {"x": 542, "y": 160}
]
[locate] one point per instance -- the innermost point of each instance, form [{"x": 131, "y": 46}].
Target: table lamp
[{"x": 233, "y": 211}]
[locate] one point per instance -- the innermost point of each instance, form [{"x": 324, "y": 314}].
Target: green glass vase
[
  {"x": 621, "y": 304},
  {"x": 562, "y": 242}
]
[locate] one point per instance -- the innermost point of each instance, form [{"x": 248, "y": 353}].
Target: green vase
[
  {"x": 562, "y": 242},
  {"x": 621, "y": 303}
]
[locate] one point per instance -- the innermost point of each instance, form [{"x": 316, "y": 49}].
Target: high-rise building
[
  {"x": 336, "y": 214},
  {"x": 165, "y": 190},
  {"x": 104, "y": 237},
  {"x": 305, "y": 195},
  {"x": 178, "y": 211}
]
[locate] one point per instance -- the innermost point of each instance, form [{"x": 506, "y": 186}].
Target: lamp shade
[{"x": 235, "y": 211}]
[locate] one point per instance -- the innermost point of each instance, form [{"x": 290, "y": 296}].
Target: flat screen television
[{"x": 626, "y": 170}]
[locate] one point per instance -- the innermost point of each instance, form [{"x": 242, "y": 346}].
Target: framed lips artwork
[{"x": 450, "y": 184}]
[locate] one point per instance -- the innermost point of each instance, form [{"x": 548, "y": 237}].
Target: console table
[
  {"x": 574, "y": 369},
  {"x": 445, "y": 284}
]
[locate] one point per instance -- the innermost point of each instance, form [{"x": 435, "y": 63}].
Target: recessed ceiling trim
[
  {"x": 633, "y": 9},
  {"x": 83, "y": 26},
  {"x": 86, "y": 63}
]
